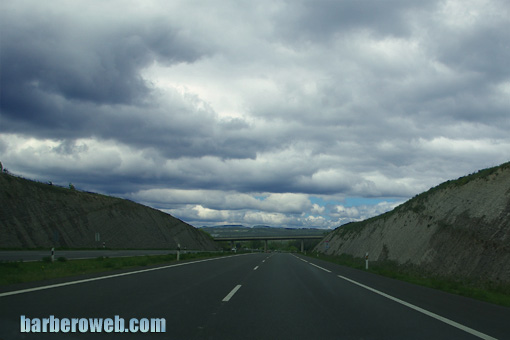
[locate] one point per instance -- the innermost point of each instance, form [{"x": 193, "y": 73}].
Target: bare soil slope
[
  {"x": 35, "y": 214},
  {"x": 458, "y": 229}
]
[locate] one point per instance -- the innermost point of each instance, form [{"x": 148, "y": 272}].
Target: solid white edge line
[
  {"x": 297, "y": 257},
  {"x": 329, "y": 271},
  {"x": 232, "y": 292},
  {"x": 313, "y": 264},
  {"x": 107, "y": 277},
  {"x": 424, "y": 311}
]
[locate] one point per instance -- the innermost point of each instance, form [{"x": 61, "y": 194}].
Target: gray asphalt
[{"x": 280, "y": 297}]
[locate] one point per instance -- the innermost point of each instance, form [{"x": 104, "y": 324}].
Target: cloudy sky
[{"x": 284, "y": 113}]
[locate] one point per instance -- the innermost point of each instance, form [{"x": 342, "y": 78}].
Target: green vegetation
[
  {"x": 206, "y": 234},
  {"x": 417, "y": 203},
  {"x": 272, "y": 245},
  {"x": 47, "y": 215},
  {"x": 19, "y": 272},
  {"x": 486, "y": 291}
]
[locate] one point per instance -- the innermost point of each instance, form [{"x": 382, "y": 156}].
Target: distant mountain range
[
  {"x": 261, "y": 230},
  {"x": 237, "y": 226},
  {"x": 225, "y": 226}
]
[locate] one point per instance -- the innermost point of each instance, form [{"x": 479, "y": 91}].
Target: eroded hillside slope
[
  {"x": 35, "y": 214},
  {"x": 458, "y": 229}
]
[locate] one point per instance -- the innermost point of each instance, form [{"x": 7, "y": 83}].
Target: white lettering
[
  {"x": 133, "y": 325},
  {"x": 36, "y": 325},
  {"x": 64, "y": 325},
  {"x": 158, "y": 325},
  {"x": 144, "y": 325},
  {"x": 54, "y": 324},
  {"x": 25, "y": 324},
  {"x": 119, "y": 324},
  {"x": 45, "y": 323},
  {"x": 108, "y": 325},
  {"x": 84, "y": 325},
  {"x": 73, "y": 325},
  {"x": 95, "y": 325}
]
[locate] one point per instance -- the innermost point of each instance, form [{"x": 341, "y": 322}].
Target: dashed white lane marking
[
  {"x": 257, "y": 267},
  {"x": 109, "y": 276},
  {"x": 232, "y": 292}
]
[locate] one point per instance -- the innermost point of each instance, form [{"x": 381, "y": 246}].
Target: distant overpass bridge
[{"x": 232, "y": 239}]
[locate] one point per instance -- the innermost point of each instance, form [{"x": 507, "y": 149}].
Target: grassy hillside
[
  {"x": 416, "y": 204},
  {"x": 34, "y": 214},
  {"x": 459, "y": 229}
]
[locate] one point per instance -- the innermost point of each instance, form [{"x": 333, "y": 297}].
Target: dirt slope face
[
  {"x": 458, "y": 229},
  {"x": 40, "y": 215}
]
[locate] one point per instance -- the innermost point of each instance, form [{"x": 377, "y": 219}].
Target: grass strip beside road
[
  {"x": 20, "y": 272},
  {"x": 484, "y": 291}
]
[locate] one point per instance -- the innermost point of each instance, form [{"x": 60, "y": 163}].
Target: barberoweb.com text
[{"x": 93, "y": 325}]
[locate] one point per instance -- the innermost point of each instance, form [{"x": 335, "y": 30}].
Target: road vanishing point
[{"x": 233, "y": 239}]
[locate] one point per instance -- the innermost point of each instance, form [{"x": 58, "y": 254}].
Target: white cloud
[
  {"x": 345, "y": 214},
  {"x": 226, "y": 113}
]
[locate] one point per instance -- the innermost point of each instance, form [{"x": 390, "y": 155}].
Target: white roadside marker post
[
  {"x": 178, "y": 251},
  {"x": 52, "y": 255},
  {"x": 366, "y": 261}
]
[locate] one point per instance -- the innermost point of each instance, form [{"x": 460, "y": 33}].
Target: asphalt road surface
[{"x": 255, "y": 296}]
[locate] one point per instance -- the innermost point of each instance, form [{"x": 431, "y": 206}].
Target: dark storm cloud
[
  {"x": 69, "y": 57},
  {"x": 65, "y": 78},
  {"x": 207, "y": 110},
  {"x": 483, "y": 49},
  {"x": 54, "y": 65},
  {"x": 327, "y": 19}
]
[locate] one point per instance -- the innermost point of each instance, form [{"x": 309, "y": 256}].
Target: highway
[{"x": 255, "y": 296}]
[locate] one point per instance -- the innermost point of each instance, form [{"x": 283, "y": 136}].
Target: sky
[{"x": 282, "y": 113}]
